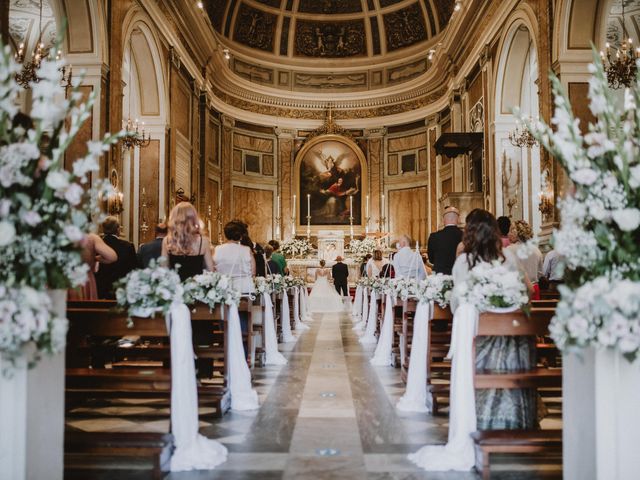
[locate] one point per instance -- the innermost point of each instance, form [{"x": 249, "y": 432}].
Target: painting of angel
[{"x": 330, "y": 172}]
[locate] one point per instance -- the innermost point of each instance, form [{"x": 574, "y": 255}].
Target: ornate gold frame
[{"x": 301, "y": 223}]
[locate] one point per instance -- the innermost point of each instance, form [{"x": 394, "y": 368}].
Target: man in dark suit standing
[
  {"x": 340, "y": 274},
  {"x": 127, "y": 261},
  {"x": 153, "y": 249},
  {"x": 442, "y": 244}
]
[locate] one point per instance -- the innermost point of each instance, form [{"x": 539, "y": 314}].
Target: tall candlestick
[
  {"x": 367, "y": 209},
  {"x": 308, "y": 204},
  {"x": 278, "y": 205},
  {"x": 294, "y": 208},
  {"x": 351, "y": 205},
  {"x": 219, "y": 197}
]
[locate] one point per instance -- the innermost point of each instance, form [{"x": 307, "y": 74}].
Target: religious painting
[{"x": 330, "y": 173}]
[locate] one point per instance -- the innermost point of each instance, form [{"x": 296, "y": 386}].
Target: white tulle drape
[
  {"x": 364, "y": 312},
  {"x": 243, "y": 397},
  {"x": 298, "y": 325},
  {"x": 304, "y": 305},
  {"x": 416, "y": 398},
  {"x": 356, "y": 308},
  {"x": 287, "y": 336},
  {"x": 369, "y": 336},
  {"x": 383, "y": 354},
  {"x": 458, "y": 453},
  {"x": 193, "y": 451},
  {"x": 272, "y": 355}
]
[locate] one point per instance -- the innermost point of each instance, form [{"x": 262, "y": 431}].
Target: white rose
[
  {"x": 584, "y": 176},
  {"x": 628, "y": 219},
  {"x": 7, "y": 233},
  {"x": 73, "y": 233},
  {"x": 634, "y": 177},
  {"x": 57, "y": 180},
  {"x": 31, "y": 218},
  {"x": 5, "y": 207},
  {"x": 73, "y": 194}
]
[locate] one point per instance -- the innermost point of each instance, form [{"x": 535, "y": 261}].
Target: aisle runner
[
  {"x": 383, "y": 355},
  {"x": 458, "y": 453},
  {"x": 272, "y": 355},
  {"x": 416, "y": 398},
  {"x": 193, "y": 451}
]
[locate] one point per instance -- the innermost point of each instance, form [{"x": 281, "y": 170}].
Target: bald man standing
[{"x": 442, "y": 244}]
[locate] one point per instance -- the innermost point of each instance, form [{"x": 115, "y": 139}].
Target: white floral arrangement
[
  {"x": 147, "y": 291},
  {"x": 366, "y": 282},
  {"x": 491, "y": 286},
  {"x": 211, "y": 288},
  {"x": 292, "y": 282},
  {"x": 45, "y": 210},
  {"x": 435, "y": 288},
  {"x": 599, "y": 235},
  {"x": 28, "y": 326},
  {"x": 270, "y": 284},
  {"x": 361, "y": 248},
  {"x": 604, "y": 311},
  {"x": 402, "y": 288},
  {"x": 296, "y": 248}
]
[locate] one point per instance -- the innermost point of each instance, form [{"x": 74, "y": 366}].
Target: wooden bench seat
[
  {"x": 155, "y": 446},
  {"x": 513, "y": 441}
]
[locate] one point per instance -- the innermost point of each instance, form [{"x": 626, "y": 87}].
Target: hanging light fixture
[
  {"x": 621, "y": 68},
  {"x": 522, "y": 138},
  {"x": 135, "y": 136},
  {"x": 28, "y": 73}
]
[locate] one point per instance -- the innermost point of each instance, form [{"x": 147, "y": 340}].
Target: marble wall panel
[
  {"x": 410, "y": 142},
  {"x": 256, "y": 144},
  {"x": 433, "y": 191},
  {"x": 213, "y": 142},
  {"x": 149, "y": 176},
  {"x": 577, "y": 94},
  {"x": 406, "y": 72},
  {"x": 285, "y": 147},
  {"x": 254, "y": 73},
  {"x": 227, "y": 166},
  {"x": 181, "y": 110},
  {"x": 475, "y": 90},
  {"x": 392, "y": 164},
  {"x": 255, "y": 207},
  {"x": 267, "y": 165},
  {"x": 329, "y": 81},
  {"x": 422, "y": 160},
  {"x": 408, "y": 213},
  {"x": 237, "y": 160},
  {"x": 375, "y": 172},
  {"x": 78, "y": 147}
]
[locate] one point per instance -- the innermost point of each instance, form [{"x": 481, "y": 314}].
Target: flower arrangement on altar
[
  {"x": 45, "y": 210},
  {"x": 599, "y": 236},
  {"x": 435, "y": 288},
  {"x": 211, "y": 288},
  {"x": 296, "y": 248},
  {"x": 147, "y": 291},
  {"x": 361, "y": 248},
  {"x": 491, "y": 286}
]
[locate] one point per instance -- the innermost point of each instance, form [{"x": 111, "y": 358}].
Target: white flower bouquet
[
  {"x": 45, "y": 210},
  {"x": 270, "y": 284},
  {"x": 28, "y": 326},
  {"x": 292, "y": 282},
  {"x": 599, "y": 236},
  {"x": 402, "y": 288},
  {"x": 296, "y": 248},
  {"x": 211, "y": 288},
  {"x": 605, "y": 311},
  {"x": 366, "y": 282},
  {"x": 436, "y": 288},
  {"x": 148, "y": 291},
  {"x": 492, "y": 286},
  {"x": 361, "y": 248}
]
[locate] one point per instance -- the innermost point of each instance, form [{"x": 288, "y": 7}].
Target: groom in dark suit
[
  {"x": 340, "y": 273},
  {"x": 442, "y": 244}
]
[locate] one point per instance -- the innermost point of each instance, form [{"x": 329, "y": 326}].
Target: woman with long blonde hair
[{"x": 184, "y": 245}]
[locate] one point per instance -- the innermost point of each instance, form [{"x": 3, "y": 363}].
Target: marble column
[
  {"x": 375, "y": 138},
  {"x": 226, "y": 167},
  {"x": 286, "y": 187}
]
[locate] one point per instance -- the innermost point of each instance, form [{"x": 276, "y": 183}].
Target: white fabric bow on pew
[
  {"x": 298, "y": 325},
  {"x": 383, "y": 355},
  {"x": 304, "y": 305},
  {"x": 243, "y": 397},
  {"x": 372, "y": 320},
  {"x": 416, "y": 398},
  {"x": 193, "y": 451},
  {"x": 458, "y": 453},
  {"x": 356, "y": 309},
  {"x": 272, "y": 355},
  {"x": 287, "y": 336},
  {"x": 365, "y": 312}
]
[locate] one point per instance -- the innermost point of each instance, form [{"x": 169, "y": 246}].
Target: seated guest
[
  {"x": 234, "y": 259},
  {"x": 272, "y": 267},
  {"x": 127, "y": 261},
  {"x": 152, "y": 250},
  {"x": 551, "y": 271},
  {"x": 94, "y": 251},
  {"x": 441, "y": 247},
  {"x": 519, "y": 234},
  {"x": 363, "y": 265},
  {"x": 256, "y": 251},
  {"x": 376, "y": 264},
  {"x": 186, "y": 248},
  {"x": 504, "y": 224},
  {"x": 407, "y": 263},
  {"x": 496, "y": 408},
  {"x": 278, "y": 257}
]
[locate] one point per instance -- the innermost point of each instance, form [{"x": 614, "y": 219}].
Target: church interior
[{"x": 333, "y": 123}]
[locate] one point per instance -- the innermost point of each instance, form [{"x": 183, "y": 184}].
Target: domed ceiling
[{"x": 331, "y": 45}]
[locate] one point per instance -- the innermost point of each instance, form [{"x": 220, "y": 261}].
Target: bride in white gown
[{"x": 323, "y": 297}]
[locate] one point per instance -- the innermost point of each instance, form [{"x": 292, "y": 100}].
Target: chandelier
[
  {"x": 134, "y": 135},
  {"x": 522, "y": 138},
  {"x": 621, "y": 68}
]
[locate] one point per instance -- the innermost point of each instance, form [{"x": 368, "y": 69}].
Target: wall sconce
[
  {"x": 226, "y": 53},
  {"x": 546, "y": 204}
]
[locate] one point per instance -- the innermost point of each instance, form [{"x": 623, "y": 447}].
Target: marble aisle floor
[{"x": 329, "y": 414}]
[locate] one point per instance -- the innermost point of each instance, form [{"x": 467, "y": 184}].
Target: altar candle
[
  {"x": 351, "y": 205},
  {"x": 294, "y": 207},
  {"x": 219, "y": 198},
  {"x": 382, "y": 206},
  {"x": 278, "y": 205},
  {"x": 308, "y": 204},
  {"x": 367, "y": 212}
]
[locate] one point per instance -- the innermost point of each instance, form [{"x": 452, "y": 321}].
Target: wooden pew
[{"x": 514, "y": 441}]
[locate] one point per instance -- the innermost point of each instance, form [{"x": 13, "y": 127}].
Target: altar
[{"x": 306, "y": 268}]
